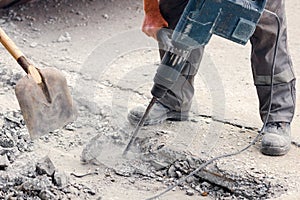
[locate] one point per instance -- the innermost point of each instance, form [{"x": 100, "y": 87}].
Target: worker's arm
[{"x": 153, "y": 20}]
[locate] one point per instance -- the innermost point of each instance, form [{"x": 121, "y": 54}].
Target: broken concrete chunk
[
  {"x": 3, "y": 162},
  {"x": 33, "y": 44},
  {"x": 45, "y": 166},
  {"x": 159, "y": 165},
  {"x": 60, "y": 179},
  {"x": 46, "y": 195},
  {"x": 124, "y": 170},
  {"x": 190, "y": 192},
  {"x": 66, "y": 37},
  {"x": 172, "y": 171}
]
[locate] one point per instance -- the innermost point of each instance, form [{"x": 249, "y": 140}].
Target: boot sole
[
  {"x": 171, "y": 116},
  {"x": 275, "y": 151}
]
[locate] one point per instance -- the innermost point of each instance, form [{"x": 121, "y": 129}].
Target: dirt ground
[{"x": 108, "y": 64}]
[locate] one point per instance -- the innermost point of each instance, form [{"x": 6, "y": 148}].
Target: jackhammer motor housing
[{"x": 235, "y": 20}]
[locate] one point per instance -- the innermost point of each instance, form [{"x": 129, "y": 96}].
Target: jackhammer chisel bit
[{"x": 139, "y": 125}]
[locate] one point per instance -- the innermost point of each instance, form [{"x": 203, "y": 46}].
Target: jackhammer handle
[{"x": 12, "y": 48}]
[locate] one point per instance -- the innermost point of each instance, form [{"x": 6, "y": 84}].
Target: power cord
[{"x": 254, "y": 140}]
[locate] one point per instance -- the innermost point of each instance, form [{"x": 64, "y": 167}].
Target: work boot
[
  {"x": 277, "y": 139},
  {"x": 158, "y": 114}
]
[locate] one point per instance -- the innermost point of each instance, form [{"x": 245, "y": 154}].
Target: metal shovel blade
[{"x": 45, "y": 113}]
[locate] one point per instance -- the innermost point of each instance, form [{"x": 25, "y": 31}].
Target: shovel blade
[{"x": 40, "y": 115}]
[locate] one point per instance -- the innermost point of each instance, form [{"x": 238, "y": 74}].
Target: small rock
[
  {"x": 190, "y": 192},
  {"x": 158, "y": 165},
  {"x": 159, "y": 179},
  {"x": 191, "y": 162},
  {"x": 7, "y": 142},
  {"x": 194, "y": 120},
  {"x": 70, "y": 127},
  {"x": 33, "y": 45},
  {"x": 105, "y": 16},
  {"x": 159, "y": 173},
  {"x": 3, "y": 162},
  {"x": 179, "y": 174},
  {"x": 46, "y": 195},
  {"x": 172, "y": 171},
  {"x": 124, "y": 170},
  {"x": 2, "y": 21},
  {"x": 132, "y": 181},
  {"x": 79, "y": 13},
  {"x": 60, "y": 179},
  {"x": 66, "y": 37},
  {"x": 206, "y": 184},
  {"x": 198, "y": 189},
  {"x": 10, "y": 117},
  {"x": 190, "y": 179},
  {"x": 45, "y": 166},
  {"x": 90, "y": 191}
]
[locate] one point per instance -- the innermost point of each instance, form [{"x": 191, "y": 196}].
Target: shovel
[{"x": 43, "y": 95}]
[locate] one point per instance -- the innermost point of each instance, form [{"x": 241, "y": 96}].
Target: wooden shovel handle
[{"x": 19, "y": 56}]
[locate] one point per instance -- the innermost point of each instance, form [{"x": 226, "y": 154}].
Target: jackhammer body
[{"x": 235, "y": 20}]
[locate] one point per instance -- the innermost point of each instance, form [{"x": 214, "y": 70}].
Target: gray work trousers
[{"x": 179, "y": 98}]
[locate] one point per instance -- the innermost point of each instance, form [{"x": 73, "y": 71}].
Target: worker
[{"x": 175, "y": 105}]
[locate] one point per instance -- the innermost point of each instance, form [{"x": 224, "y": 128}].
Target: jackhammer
[{"x": 235, "y": 20}]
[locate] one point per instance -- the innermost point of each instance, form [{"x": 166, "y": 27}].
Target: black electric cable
[{"x": 255, "y": 139}]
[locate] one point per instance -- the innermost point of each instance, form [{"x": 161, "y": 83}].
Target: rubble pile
[
  {"x": 40, "y": 180},
  {"x": 8, "y": 79},
  {"x": 221, "y": 184},
  {"x": 14, "y": 137},
  {"x": 160, "y": 163},
  {"x": 34, "y": 181}
]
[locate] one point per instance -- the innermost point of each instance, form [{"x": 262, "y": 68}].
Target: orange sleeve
[{"x": 151, "y": 5}]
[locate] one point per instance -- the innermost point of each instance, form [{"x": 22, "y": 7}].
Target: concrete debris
[
  {"x": 4, "y": 162},
  {"x": 91, "y": 150},
  {"x": 190, "y": 192},
  {"x": 33, "y": 44},
  {"x": 8, "y": 78},
  {"x": 47, "y": 195},
  {"x": 105, "y": 16},
  {"x": 45, "y": 166},
  {"x": 166, "y": 162},
  {"x": 172, "y": 171},
  {"x": 14, "y": 137},
  {"x": 23, "y": 182},
  {"x": 37, "y": 184},
  {"x": 60, "y": 179},
  {"x": 66, "y": 37},
  {"x": 124, "y": 170}
]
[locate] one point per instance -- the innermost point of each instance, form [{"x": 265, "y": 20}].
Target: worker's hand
[{"x": 153, "y": 22}]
